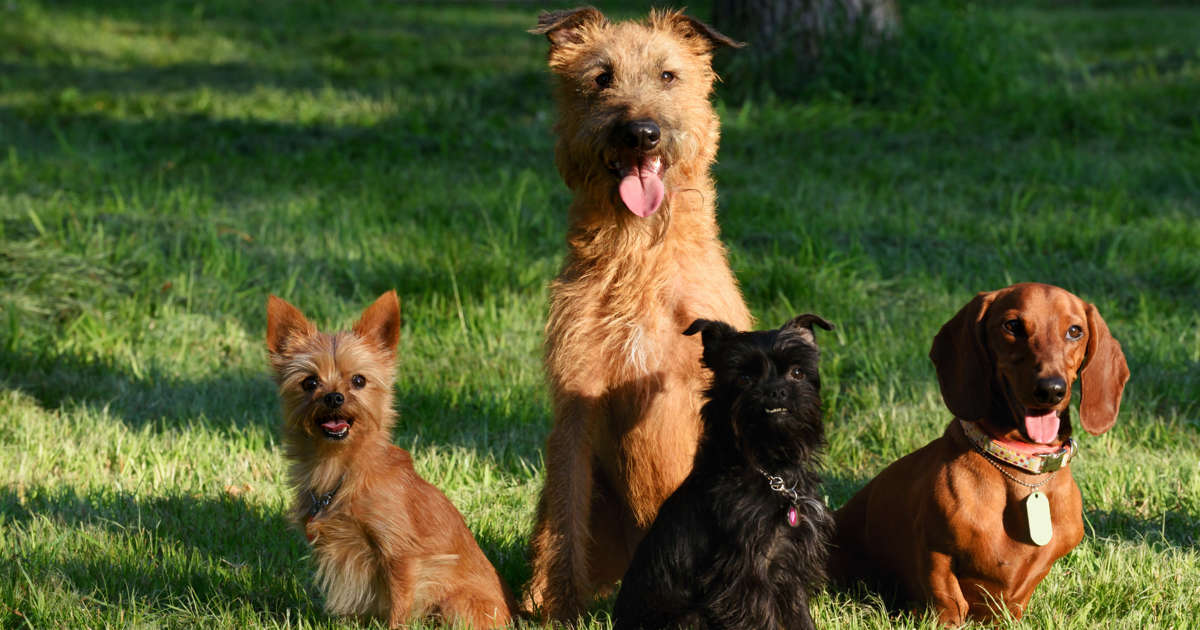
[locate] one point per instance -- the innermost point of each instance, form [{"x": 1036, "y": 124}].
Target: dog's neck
[
  {"x": 319, "y": 469},
  {"x": 605, "y": 232},
  {"x": 719, "y": 451},
  {"x": 1035, "y": 459},
  {"x": 318, "y": 503}
]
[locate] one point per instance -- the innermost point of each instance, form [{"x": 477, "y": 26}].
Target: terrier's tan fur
[
  {"x": 626, "y": 383},
  {"x": 387, "y": 543}
]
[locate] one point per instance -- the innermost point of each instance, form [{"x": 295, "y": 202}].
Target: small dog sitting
[
  {"x": 387, "y": 543},
  {"x": 970, "y": 523},
  {"x": 742, "y": 542}
]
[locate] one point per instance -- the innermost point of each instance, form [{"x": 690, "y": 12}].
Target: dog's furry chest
[
  {"x": 764, "y": 534},
  {"x": 631, "y": 345},
  {"x": 351, "y": 570},
  {"x": 621, "y": 332},
  {"x": 621, "y": 303}
]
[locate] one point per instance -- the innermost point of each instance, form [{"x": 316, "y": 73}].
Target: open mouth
[
  {"x": 777, "y": 410},
  {"x": 336, "y": 427},
  {"x": 1040, "y": 425},
  {"x": 641, "y": 186}
]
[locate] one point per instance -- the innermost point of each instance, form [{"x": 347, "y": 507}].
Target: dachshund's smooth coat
[{"x": 947, "y": 524}]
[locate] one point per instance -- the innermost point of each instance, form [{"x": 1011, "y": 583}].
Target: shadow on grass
[
  {"x": 178, "y": 550},
  {"x": 194, "y": 151},
  {"x": 172, "y": 195},
  {"x": 838, "y": 489},
  {"x": 511, "y": 429},
  {"x": 153, "y": 398},
  {"x": 168, "y": 550},
  {"x": 1173, "y": 529}
]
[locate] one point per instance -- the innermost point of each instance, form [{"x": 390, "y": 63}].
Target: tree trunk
[{"x": 800, "y": 27}]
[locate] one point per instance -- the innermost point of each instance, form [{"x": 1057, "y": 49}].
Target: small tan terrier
[
  {"x": 387, "y": 543},
  {"x": 636, "y": 138}
]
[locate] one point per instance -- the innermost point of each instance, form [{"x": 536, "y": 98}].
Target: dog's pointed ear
[
  {"x": 692, "y": 29},
  {"x": 380, "y": 323},
  {"x": 959, "y": 355},
  {"x": 803, "y": 325},
  {"x": 285, "y": 325},
  {"x": 1102, "y": 378},
  {"x": 567, "y": 28},
  {"x": 712, "y": 335}
]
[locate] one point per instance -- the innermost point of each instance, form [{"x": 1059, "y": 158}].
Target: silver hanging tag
[{"x": 1037, "y": 515}]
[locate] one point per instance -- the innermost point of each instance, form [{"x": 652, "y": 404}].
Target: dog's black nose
[
  {"x": 1050, "y": 390},
  {"x": 333, "y": 400},
  {"x": 642, "y": 134},
  {"x": 776, "y": 394}
]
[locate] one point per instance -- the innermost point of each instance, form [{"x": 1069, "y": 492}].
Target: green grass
[{"x": 165, "y": 166}]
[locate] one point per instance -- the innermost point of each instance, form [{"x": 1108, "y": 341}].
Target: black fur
[{"x": 721, "y": 553}]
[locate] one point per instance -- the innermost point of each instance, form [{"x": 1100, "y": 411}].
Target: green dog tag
[{"x": 1037, "y": 514}]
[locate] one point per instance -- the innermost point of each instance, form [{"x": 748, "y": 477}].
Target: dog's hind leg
[
  {"x": 614, "y": 536},
  {"x": 561, "y": 585}
]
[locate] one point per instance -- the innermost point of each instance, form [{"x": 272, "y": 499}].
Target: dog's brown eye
[
  {"x": 309, "y": 383},
  {"x": 667, "y": 76},
  {"x": 358, "y": 381},
  {"x": 604, "y": 79},
  {"x": 1015, "y": 326},
  {"x": 744, "y": 380},
  {"x": 1074, "y": 333},
  {"x": 796, "y": 373}
]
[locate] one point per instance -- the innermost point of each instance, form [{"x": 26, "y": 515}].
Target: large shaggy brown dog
[{"x": 636, "y": 138}]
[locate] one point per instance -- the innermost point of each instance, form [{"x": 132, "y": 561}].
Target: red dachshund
[{"x": 974, "y": 520}]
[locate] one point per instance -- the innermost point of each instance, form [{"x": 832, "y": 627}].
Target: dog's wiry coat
[
  {"x": 724, "y": 552},
  {"x": 388, "y": 544},
  {"x": 625, "y": 383}
]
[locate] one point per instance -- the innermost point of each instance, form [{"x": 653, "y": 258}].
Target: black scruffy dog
[{"x": 742, "y": 542}]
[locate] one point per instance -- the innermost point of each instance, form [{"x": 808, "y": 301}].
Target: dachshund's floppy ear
[
  {"x": 1103, "y": 376},
  {"x": 713, "y": 334},
  {"x": 803, "y": 325},
  {"x": 964, "y": 369}
]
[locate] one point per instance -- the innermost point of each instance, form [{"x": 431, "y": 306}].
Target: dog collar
[
  {"x": 780, "y": 487},
  {"x": 1035, "y": 463},
  {"x": 321, "y": 502}
]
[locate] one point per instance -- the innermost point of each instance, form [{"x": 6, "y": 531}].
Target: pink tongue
[
  {"x": 334, "y": 426},
  {"x": 642, "y": 191},
  {"x": 1042, "y": 429}
]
